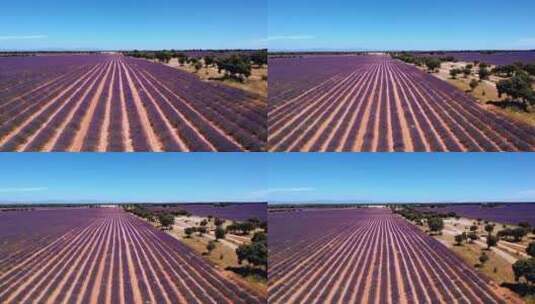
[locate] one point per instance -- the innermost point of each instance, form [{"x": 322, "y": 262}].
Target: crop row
[
  {"x": 115, "y": 258},
  {"x": 387, "y": 105},
  {"x": 368, "y": 256}
]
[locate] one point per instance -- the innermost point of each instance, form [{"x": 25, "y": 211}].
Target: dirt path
[
  {"x": 152, "y": 139},
  {"x": 78, "y": 140}
]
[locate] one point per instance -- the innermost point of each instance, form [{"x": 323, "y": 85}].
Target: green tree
[
  {"x": 517, "y": 87},
  {"x": 473, "y": 84},
  {"x": 459, "y": 239},
  {"x": 208, "y": 60},
  {"x": 530, "y": 250},
  {"x": 483, "y": 258},
  {"x": 235, "y": 67},
  {"x": 467, "y": 70},
  {"x": 525, "y": 268},
  {"x": 210, "y": 246},
  {"x": 472, "y": 236},
  {"x": 432, "y": 63},
  {"x": 189, "y": 231},
  {"x": 483, "y": 73},
  {"x": 166, "y": 220},
  {"x": 491, "y": 241},
  {"x": 454, "y": 73},
  {"x": 220, "y": 233},
  {"x": 436, "y": 224}
]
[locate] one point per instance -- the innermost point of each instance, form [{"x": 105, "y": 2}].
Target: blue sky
[
  {"x": 121, "y": 24},
  {"x": 400, "y": 177},
  {"x": 394, "y": 24},
  {"x": 131, "y": 176}
]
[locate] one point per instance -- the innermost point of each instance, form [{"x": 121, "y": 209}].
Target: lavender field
[
  {"x": 375, "y": 103},
  {"x": 495, "y": 58},
  {"x": 365, "y": 255},
  {"x": 501, "y": 213},
  {"x": 103, "y": 255},
  {"x": 108, "y": 102},
  {"x": 229, "y": 211}
]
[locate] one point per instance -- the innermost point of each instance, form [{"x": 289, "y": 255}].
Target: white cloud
[
  {"x": 268, "y": 191},
  {"x": 23, "y": 37},
  {"x": 23, "y": 189}
]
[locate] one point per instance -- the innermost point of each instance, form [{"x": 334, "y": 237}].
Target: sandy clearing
[
  {"x": 407, "y": 139},
  {"x": 16, "y": 130},
  {"x": 180, "y": 114},
  {"x": 80, "y": 136},
  {"x": 172, "y": 130},
  {"x": 103, "y": 141},
  {"x": 153, "y": 141},
  {"x": 186, "y": 103},
  {"x": 345, "y": 103}
]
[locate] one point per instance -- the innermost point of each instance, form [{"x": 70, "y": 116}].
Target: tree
[
  {"x": 220, "y": 233},
  {"x": 201, "y": 230},
  {"x": 255, "y": 253},
  {"x": 454, "y": 73},
  {"x": 259, "y": 58},
  {"x": 166, "y": 220},
  {"x": 489, "y": 228},
  {"x": 432, "y": 64},
  {"x": 518, "y": 233},
  {"x": 210, "y": 246},
  {"x": 235, "y": 67},
  {"x": 182, "y": 60},
  {"x": 197, "y": 66},
  {"x": 517, "y": 87},
  {"x": 525, "y": 268},
  {"x": 189, "y": 231},
  {"x": 483, "y": 73},
  {"x": 467, "y": 70},
  {"x": 473, "y": 228},
  {"x": 218, "y": 221},
  {"x": 259, "y": 237},
  {"x": 208, "y": 60},
  {"x": 491, "y": 241},
  {"x": 472, "y": 236},
  {"x": 473, "y": 84},
  {"x": 436, "y": 224},
  {"x": 483, "y": 258},
  {"x": 459, "y": 239},
  {"x": 204, "y": 222},
  {"x": 530, "y": 250}
]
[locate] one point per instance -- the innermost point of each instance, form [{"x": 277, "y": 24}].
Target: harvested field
[
  {"x": 102, "y": 255},
  {"x": 375, "y": 103},
  {"x": 114, "y": 103},
  {"x": 365, "y": 255}
]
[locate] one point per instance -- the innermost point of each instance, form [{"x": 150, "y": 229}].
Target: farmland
[
  {"x": 103, "y": 255},
  {"x": 505, "y": 213},
  {"x": 369, "y": 254},
  {"x": 109, "y": 102},
  {"x": 375, "y": 103},
  {"x": 492, "y": 57},
  {"x": 229, "y": 211}
]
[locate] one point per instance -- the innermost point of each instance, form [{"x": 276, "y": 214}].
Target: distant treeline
[
  {"x": 301, "y": 206},
  {"x": 235, "y": 64}
]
